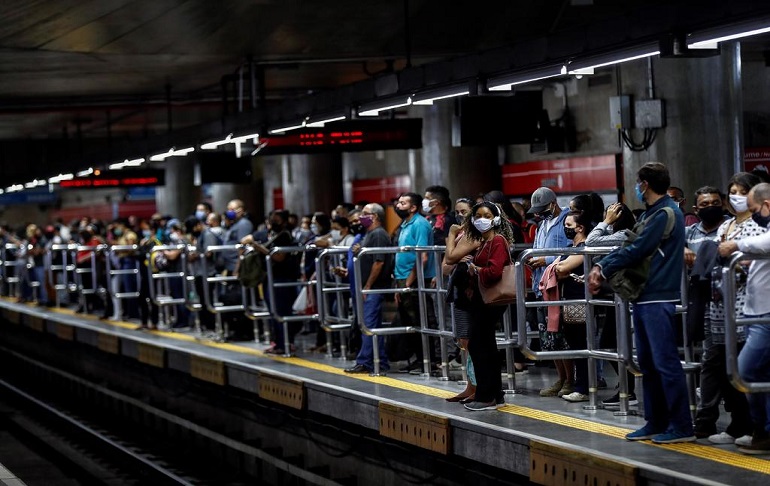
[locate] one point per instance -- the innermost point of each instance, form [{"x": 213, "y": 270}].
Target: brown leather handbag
[{"x": 504, "y": 291}]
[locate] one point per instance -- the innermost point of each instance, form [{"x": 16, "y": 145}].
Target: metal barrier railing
[
  {"x": 729, "y": 289},
  {"x": 272, "y": 285},
  {"x": 220, "y": 282},
  {"x": 422, "y": 290},
  {"x": 90, "y": 270},
  {"x": 14, "y": 268},
  {"x": 337, "y": 291},
  {"x": 62, "y": 275},
  {"x": 159, "y": 285},
  {"x": 119, "y": 252}
]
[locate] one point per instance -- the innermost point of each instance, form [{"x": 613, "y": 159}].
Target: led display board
[{"x": 117, "y": 178}]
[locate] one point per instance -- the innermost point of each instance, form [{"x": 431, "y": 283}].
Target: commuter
[
  {"x": 550, "y": 234},
  {"x": 677, "y": 194},
  {"x": 415, "y": 230},
  {"x": 569, "y": 272},
  {"x": 176, "y": 236},
  {"x": 666, "y": 406},
  {"x": 286, "y": 269},
  {"x": 459, "y": 253},
  {"x": 36, "y": 247},
  {"x": 214, "y": 224},
  {"x": 489, "y": 227},
  {"x": 436, "y": 206},
  {"x": 714, "y": 383},
  {"x": 148, "y": 310},
  {"x": 708, "y": 203},
  {"x": 202, "y": 211},
  {"x": 240, "y": 227},
  {"x": 375, "y": 275},
  {"x": 300, "y": 232},
  {"x": 203, "y": 238},
  {"x": 612, "y": 232},
  {"x": 528, "y": 228},
  {"x": 754, "y": 359},
  {"x": 505, "y": 204}
]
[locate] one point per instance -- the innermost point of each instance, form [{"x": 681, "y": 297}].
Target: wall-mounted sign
[{"x": 122, "y": 178}]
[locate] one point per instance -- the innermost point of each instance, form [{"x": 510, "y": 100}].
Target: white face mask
[
  {"x": 426, "y": 205},
  {"x": 336, "y": 236},
  {"x": 482, "y": 224},
  {"x": 739, "y": 203}
]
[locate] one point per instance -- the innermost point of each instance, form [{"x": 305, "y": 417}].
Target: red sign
[
  {"x": 756, "y": 158},
  {"x": 278, "y": 200},
  {"x": 576, "y": 175},
  {"x": 380, "y": 190}
]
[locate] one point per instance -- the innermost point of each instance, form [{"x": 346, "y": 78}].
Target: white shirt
[{"x": 758, "y": 282}]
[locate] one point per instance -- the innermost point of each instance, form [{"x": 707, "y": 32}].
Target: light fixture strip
[
  {"x": 429, "y": 101},
  {"x": 287, "y": 128},
  {"x": 372, "y": 109},
  {"x": 321, "y": 123},
  {"x": 710, "y": 39},
  {"x": 618, "y": 61}
]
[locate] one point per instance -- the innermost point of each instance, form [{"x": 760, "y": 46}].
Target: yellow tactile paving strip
[{"x": 715, "y": 454}]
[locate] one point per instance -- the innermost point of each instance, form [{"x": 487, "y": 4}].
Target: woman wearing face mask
[
  {"x": 577, "y": 225},
  {"x": 490, "y": 227},
  {"x": 459, "y": 252},
  {"x": 715, "y": 384}
]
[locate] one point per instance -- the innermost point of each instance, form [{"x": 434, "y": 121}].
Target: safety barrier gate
[
  {"x": 159, "y": 285},
  {"x": 624, "y": 353},
  {"x": 422, "y": 291},
  {"x": 61, "y": 275},
  {"x": 87, "y": 276},
  {"x": 220, "y": 283},
  {"x": 114, "y": 275},
  {"x": 331, "y": 289},
  {"x": 272, "y": 284},
  {"x": 732, "y": 322},
  {"x": 14, "y": 268}
]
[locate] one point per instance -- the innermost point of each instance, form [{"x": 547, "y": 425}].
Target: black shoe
[
  {"x": 413, "y": 366},
  {"x": 358, "y": 369}
]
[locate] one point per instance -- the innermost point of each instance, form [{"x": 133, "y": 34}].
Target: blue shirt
[
  {"x": 414, "y": 232},
  {"x": 351, "y": 271},
  {"x": 553, "y": 237}
]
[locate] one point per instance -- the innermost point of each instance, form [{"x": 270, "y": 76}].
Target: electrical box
[
  {"x": 620, "y": 112},
  {"x": 649, "y": 114}
]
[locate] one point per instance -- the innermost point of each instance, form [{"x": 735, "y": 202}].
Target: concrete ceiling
[{"x": 78, "y": 76}]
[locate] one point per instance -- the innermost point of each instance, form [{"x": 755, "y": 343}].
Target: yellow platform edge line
[{"x": 704, "y": 452}]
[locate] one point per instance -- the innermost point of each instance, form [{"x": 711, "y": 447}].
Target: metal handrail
[
  {"x": 161, "y": 279},
  {"x": 67, "y": 267},
  {"x": 111, "y": 272},
  {"x": 215, "y": 307},
  {"x": 729, "y": 291},
  {"x": 340, "y": 291}
]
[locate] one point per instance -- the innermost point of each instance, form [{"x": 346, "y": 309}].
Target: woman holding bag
[{"x": 489, "y": 226}]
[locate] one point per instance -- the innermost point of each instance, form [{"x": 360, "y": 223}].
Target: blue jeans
[
  {"x": 666, "y": 405},
  {"x": 373, "y": 320},
  {"x": 754, "y": 366}
]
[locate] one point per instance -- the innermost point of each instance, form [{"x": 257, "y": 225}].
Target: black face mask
[
  {"x": 402, "y": 213},
  {"x": 357, "y": 229},
  {"x": 570, "y": 233},
  {"x": 711, "y": 215},
  {"x": 763, "y": 221},
  {"x": 544, "y": 215}
]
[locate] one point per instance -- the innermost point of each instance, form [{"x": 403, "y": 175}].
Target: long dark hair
[{"x": 503, "y": 228}]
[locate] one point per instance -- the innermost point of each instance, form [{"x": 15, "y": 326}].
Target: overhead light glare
[
  {"x": 173, "y": 152},
  {"x": 625, "y": 59},
  {"x": 254, "y": 137},
  {"x": 126, "y": 163},
  {"x": 374, "y": 109},
  {"x": 321, "y": 123},
  {"x": 287, "y": 128},
  {"x": 60, "y": 177},
  {"x": 35, "y": 183},
  {"x": 724, "y": 35},
  {"x": 506, "y": 81},
  {"x": 429, "y": 97},
  {"x": 14, "y": 188},
  {"x": 582, "y": 71},
  {"x": 85, "y": 173}
]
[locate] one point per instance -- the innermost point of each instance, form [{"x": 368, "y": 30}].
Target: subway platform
[{"x": 548, "y": 440}]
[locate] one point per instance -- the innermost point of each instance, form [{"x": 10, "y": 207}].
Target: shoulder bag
[{"x": 504, "y": 291}]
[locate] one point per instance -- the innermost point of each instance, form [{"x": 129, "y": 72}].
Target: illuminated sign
[
  {"x": 348, "y": 136},
  {"x": 122, "y": 178}
]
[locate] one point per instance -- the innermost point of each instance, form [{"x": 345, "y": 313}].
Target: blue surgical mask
[
  {"x": 231, "y": 215},
  {"x": 146, "y": 233},
  {"x": 639, "y": 193},
  {"x": 315, "y": 229},
  {"x": 200, "y": 215}
]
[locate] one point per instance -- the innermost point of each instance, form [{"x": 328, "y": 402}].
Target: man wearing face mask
[
  {"x": 754, "y": 359},
  {"x": 677, "y": 194},
  {"x": 550, "y": 234},
  {"x": 239, "y": 228},
  {"x": 435, "y": 206},
  {"x": 708, "y": 203},
  {"x": 202, "y": 210},
  {"x": 415, "y": 230},
  {"x": 666, "y": 404}
]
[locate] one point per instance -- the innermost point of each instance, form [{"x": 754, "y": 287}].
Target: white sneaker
[
  {"x": 722, "y": 438},
  {"x": 742, "y": 441},
  {"x": 575, "y": 397}
]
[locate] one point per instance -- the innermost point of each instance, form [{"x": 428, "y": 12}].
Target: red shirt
[{"x": 491, "y": 258}]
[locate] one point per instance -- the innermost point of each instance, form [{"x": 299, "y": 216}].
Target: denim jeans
[
  {"x": 373, "y": 320},
  {"x": 666, "y": 405},
  {"x": 754, "y": 366}
]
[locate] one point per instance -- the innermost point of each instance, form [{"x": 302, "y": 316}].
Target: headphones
[{"x": 496, "y": 221}]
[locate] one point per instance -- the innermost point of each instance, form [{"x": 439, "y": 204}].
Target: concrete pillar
[
  {"x": 703, "y": 139},
  {"x": 465, "y": 171},
  {"x": 312, "y": 182},
  {"x": 179, "y": 196}
]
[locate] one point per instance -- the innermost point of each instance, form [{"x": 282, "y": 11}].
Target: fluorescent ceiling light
[
  {"x": 323, "y": 121},
  {"x": 620, "y": 60},
  {"x": 84, "y": 173},
  {"x": 583, "y": 71},
  {"x": 172, "y": 153},
  {"x": 60, "y": 177},
  {"x": 35, "y": 183},
  {"x": 375, "y": 107},
  {"x": 429, "y": 96},
  {"x": 709, "y": 39},
  {"x": 126, "y": 163},
  {"x": 230, "y": 139},
  {"x": 2, "y": 191},
  {"x": 506, "y": 81},
  {"x": 286, "y": 128},
  {"x": 14, "y": 188}
]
